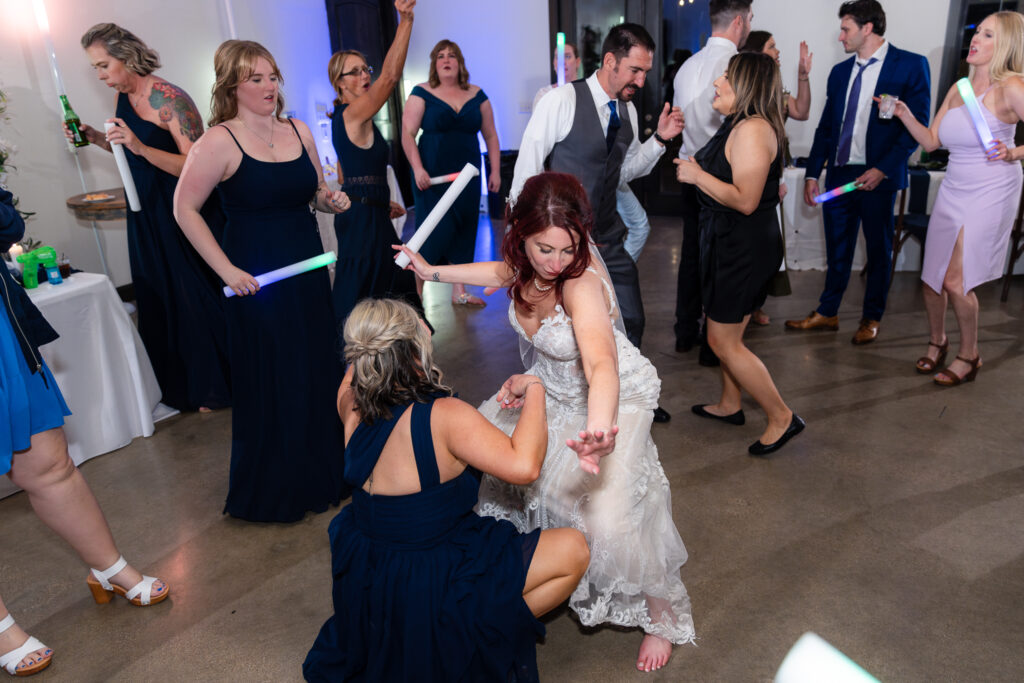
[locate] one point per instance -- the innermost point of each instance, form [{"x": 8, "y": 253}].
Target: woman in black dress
[
  {"x": 737, "y": 178},
  {"x": 366, "y": 266},
  {"x": 285, "y": 434},
  {"x": 180, "y": 310}
]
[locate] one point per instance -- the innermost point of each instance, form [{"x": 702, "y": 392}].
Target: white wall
[
  {"x": 185, "y": 33},
  {"x": 913, "y": 25},
  {"x": 506, "y": 49}
]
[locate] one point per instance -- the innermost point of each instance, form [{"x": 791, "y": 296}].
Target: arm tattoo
[
  {"x": 172, "y": 102},
  {"x": 436, "y": 277}
]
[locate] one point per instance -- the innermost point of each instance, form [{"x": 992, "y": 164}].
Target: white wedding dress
[{"x": 625, "y": 511}]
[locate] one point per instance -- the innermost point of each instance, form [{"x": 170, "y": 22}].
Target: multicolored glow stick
[
  {"x": 469, "y": 171},
  {"x": 294, "y": 269},
  {"x": 126, "y": 173},
  {"x": 971, "y": 102},
  {"x": 442, "y": 179},
  {"x": 832, "y": 194},
  {"x": 560, "y": 57}
]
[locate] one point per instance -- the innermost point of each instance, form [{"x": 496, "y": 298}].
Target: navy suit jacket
[{"x": 889, "y": 145}]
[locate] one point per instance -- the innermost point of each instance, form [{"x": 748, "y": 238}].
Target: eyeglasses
[{"x": 368, "y": 70}]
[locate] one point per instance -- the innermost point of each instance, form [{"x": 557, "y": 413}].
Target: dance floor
[{"x": 893, "y": 526}]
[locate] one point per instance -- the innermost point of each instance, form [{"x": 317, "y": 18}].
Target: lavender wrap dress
[{"x": 979, "y": 195}]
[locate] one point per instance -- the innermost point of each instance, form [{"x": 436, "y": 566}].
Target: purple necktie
[{"x": 846, "y": 134}]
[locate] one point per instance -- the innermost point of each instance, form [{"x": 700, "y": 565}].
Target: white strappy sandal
[
  {"x": 140, "y": 594},
  {"x": 10, "y": 661}
]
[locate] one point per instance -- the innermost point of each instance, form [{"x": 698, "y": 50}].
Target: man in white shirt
[
  {"x": 859, "y": 147},
  {"x": 694, "y": 92},
  {"x": 563, "y": 137}
]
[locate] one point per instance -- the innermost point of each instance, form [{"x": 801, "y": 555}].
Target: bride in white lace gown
[{"x": 564, "y": 310}]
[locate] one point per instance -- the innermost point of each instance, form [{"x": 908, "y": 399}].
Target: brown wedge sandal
[
  {"x": 926, "y": 365},
  {"x": 947, "y": 378}
]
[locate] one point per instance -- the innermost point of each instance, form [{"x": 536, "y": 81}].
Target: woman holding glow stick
[
  {"x": 451, "y": 111},
  {"x": 180, "y": 309},
  {"x": 285, "y": 434},
  {"x": 737, "y": 178},
  {"x": 974, "y": 210},
  {"x": 365, "y": 233},
  {"x": 601, "y": 395}
]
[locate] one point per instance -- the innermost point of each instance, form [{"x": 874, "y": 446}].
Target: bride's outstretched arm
[
  {"x": 483, "y": 274},
  {"x": 586, "y": 303}
]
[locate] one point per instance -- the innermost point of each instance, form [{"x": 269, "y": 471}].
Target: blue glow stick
[
  {"x": 971, "y": 102},
  {"x": 832, "y": 194},
  {"x": 560, "y": 57},
  {"x": 294, "y": 269}
]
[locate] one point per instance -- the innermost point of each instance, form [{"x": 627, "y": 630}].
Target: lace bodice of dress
[{"x": 559, "y": 366}]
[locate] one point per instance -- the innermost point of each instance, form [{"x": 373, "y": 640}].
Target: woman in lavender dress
[{"x": 974, "y": 210}]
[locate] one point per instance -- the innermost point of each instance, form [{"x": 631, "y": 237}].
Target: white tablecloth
[
  {"x": 805, "y": 231},
  {"x": 100, "y": 365}
]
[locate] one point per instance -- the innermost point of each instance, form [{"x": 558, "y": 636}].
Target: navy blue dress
[
  {"x": 286, "y": 441},
  {"x": 447, "y": 144},
  {"x": 180, "y": 305},
  {"x": 424, "y": 589},
  {"x": 366, "y": 262}
]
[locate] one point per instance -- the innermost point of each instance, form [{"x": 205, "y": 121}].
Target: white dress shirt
[
  {"x": 868, "y": 83},
  {"x": 551, "y": 123},
  {"x": 694, "y": 92}
]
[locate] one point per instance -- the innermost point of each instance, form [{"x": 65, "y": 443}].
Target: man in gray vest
[{"x": 588, "y": 129}]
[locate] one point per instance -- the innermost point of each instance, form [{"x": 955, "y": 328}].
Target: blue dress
[
  {"x": 447, "y": 144},
  {"x": 180, "y": 306},
  {"x": 366, "y": 262},
  {"x": 286, "y": 442},
  {"x": 424, "y": 589}
]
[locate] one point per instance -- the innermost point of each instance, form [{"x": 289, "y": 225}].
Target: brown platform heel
[
  {"x": 926, "y": 365},
  {"x": 947, "y": 378}
]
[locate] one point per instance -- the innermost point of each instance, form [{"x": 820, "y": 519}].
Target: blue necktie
[
  {"x": 846, "y": 134},
  {"x": 613, "y": 126}
]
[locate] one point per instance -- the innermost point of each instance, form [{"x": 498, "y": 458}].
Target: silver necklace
[
  {"x": 142, "y": 94},
  {"x": 539, "y": 286},
  {"x": 269, "y": 143}
]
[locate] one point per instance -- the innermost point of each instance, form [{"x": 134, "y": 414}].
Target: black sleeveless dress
[
  {"x": 286, "y": 437},
  {"x": 180, "y": 305},
  {"x": 424, "y": 589},
  {"x": 366, "y": 262},
  {"x": 739, "y": 254}
]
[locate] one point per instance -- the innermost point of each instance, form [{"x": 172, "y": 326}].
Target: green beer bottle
[{"x": 73, "y": 123}]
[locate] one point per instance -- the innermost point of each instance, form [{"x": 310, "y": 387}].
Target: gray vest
[{"x": 584, "y": 153}]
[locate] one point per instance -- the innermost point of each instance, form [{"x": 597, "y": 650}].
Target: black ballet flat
[
  {"x": 796, "y": 425},
  {"x": 736, "y": 418},
  {"x": 661, "y": 415}
]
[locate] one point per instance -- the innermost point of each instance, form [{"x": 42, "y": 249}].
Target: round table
[{"x": 102, "y": 210}]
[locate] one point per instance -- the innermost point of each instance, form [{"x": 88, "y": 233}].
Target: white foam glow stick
[
  {"x": 469, "y": 171},
  {"x": 560, "y": 57},
  {"x": 126, "y": 173},
  {"x": 971, "y": 102},
  {"x": 442, "y": 179},
  {"x": 305, "y": 266},
  {"x": 812, "y": 659}
]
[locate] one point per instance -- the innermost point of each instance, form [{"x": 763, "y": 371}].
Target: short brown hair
[
  {"x": 434, "y": 79},
  {"x": 124, "y": 45},
  {"x": 233, "y": 64}
]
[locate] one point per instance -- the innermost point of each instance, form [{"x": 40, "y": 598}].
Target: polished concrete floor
[{"x": 893, "y": 526}]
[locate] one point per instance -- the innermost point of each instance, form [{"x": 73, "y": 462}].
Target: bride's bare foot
[{"x": 654, "y": 653}]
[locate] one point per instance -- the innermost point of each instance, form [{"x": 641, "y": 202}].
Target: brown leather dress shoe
[
  {"x": 814, "y": 321},
  {"x": 866, "y": 333}
]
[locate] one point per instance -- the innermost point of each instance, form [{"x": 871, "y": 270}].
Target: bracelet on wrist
[{"x": 657, "y": 136}]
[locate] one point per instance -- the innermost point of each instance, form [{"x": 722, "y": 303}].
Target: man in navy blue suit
[{"x": 860, "y": 147}]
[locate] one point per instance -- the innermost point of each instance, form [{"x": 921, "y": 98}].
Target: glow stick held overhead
[
  {"x": 971, "y": 102},
  {"x": 832, "y": 194},
  {"x": 305, "y": 266},
  {"x": 469, "y": 171},
  {"x": 560, "y": 57},
  {"x": 126, "y": 173}
]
